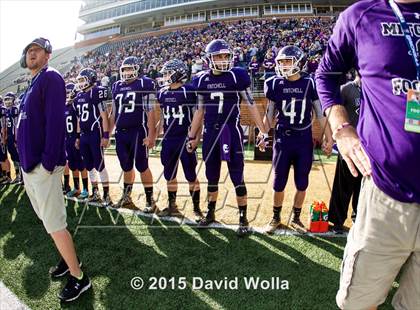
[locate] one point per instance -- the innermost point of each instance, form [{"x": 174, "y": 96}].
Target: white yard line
[{"x": 9, "y": 301}]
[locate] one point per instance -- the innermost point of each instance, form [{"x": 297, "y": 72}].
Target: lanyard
[
  {"x": 37, "y": 76},
  {"x": 407, "y": 35}
]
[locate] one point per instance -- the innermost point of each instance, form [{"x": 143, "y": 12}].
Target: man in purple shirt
[
  {"x": 380, "y": 39},
  {"x": 40, "y": 138}
]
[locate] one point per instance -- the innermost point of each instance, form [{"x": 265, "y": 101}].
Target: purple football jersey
[
  {"x": 132, "y": 101},
  {"x": 11, "y": 120},
  {"x": 221, "y": 94},
  {"x": 293, "y": 101},
  {"x": 88, "y": 106},
  {"x": 71, "y": 120},
  {"x": 177, "y": 109},
  {"x": 368, "y": 36},
  {"x": 3, "y": 112}
]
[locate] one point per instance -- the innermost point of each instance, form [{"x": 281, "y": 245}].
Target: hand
[
  {"x": 327, "y": 145},
  {"x": 149, "y": 142},
  {"x": 104, "y": 142},
  {"x": 77, "y": 144},
  {"x": 192, "y": 145},
  {"x": 262, "y": 141},
  {"x": 351, "y": 149}
]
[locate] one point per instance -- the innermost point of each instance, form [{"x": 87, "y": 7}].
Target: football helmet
[
  {"x": 9, "y": 99},
  {"x": 71, "y": 92},
  {"x": 130, "y": 68},
  {"x": 219, "y": 47},
  {"x": 86, "y": 78},
  {"x": 173, "y": 71},
  {"x": 297, "y": 57}
]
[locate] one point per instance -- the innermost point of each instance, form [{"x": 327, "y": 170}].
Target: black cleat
[
  {"x": 107, "y": 202},
  {"x": 94, "y": 198},
  {"x": 171, "y": 210},
  {"x": 243, "y": 228},
  {"x": 208, "y": 219},
  {"x": 126, "y": 202},
  {"x": 60, "y": 269},
  {"x": 298, "y": 226},
  {"x": 74, "y": 288},
  {"x": 198, "y": 215},
  {"x": 150, "y": 208},
  {"x": 273, "y": 225}
]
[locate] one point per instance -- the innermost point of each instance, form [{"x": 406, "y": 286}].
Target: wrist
[
  {"x": 106, "y": 135},
  {"x": 78, "y": 135},
  {"x": 337, "y": 133}
]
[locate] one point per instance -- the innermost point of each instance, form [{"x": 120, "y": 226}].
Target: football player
[
  {"x": 220, "y": 92},
  {"x": 133, "y": 115},
  {"x": 177, "y": 101},
  {"x": 12, "y": 114},
  {"x": 292, "y": 97},
  {"x": 93, "y": 128},
  {"x": 5, "y": 177},
  {"x": 74, "y": 158}
]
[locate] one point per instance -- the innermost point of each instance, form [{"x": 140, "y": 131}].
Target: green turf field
[{"x": 114, "y": 249}]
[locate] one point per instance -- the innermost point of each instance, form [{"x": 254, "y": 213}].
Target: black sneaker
[
  {"x": 208, "y": 219},
  {"x": 74, "y": 288},
  {"x": 243, "y": 228},
  {"x": 61, "y": 269}
]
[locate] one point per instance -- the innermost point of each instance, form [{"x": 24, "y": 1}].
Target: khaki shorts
[
  {"x": 46, "y": 196},
  {"x": 385, "y": 236}
]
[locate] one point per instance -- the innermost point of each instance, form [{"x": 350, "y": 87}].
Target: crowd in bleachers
[{"x": 255, "y": 44}]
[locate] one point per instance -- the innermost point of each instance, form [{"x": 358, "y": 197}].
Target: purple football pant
[
  {"x": 73, "y": 155},
  {"x": 174, "y": 151},
  {"x": 91, "y": 150},
  {"x": 293, "y": 150},
  {"x": 11, "y": 148},
  {"x": 3, "y": 152},
  {"x": 212, "y": 156},
  {"x": 129, "y": 146}
]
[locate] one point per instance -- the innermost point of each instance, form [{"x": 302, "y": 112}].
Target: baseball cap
[{"x": 41, "y": 42}]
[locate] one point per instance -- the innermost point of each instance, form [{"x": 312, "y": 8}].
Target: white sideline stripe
[
  {"x": 186, "y": 221},
  {"x": 9, "y": 301}
]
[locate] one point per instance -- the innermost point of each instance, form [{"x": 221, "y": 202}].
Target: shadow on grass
[{"x": 116, "y": 248}]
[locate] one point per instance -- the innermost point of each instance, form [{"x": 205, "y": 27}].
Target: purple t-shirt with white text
[{"x": 368, "y": 37}]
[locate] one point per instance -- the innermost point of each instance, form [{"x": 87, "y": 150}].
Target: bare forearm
[
  {"x": 257, "y": 118},
  {"x": 105, "y": 121},
  {"x": 196, "y": 122},
  {"x": 151, "y": 124},
  {"x": 336, "y": 115}
]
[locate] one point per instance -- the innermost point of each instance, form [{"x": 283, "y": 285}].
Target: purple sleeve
[
  {"x": 243, "y": 79},
  {"x": 55, "y": 100},
  {"x": 268, "y": 89},
  {"x": 338, "y": 59}
]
